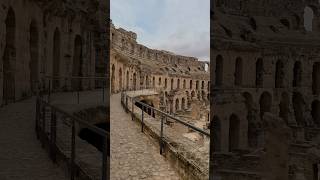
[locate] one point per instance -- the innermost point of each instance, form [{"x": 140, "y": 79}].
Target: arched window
[
  {"x": 265, "y": 103},
  {"x": 202, "y": 85},
  {"x": 172, "y": 84},
  {"x": 308, "y": 18},
  {"x": 190, "y": 84},
  {"x": 184, "y": 84},
  {"x": 259, "y": 73},
  {"x": 284, "y": 107},
  {"x": 177, "y": 105},
  {"x": 178, "y": 84},
  {"x": 127, "y": 78},
  {"x": 197, "y": 85},
  {"x": 298, "y": 107},
  {"x": 159, "y": 81},
  {"x": 77, "y": 68},
  {"x": 297, "y": 74},
  {"x": 165, "y": 83},
  {"x": 234, "y": 132},
  {"x": 279, "y": 76}
]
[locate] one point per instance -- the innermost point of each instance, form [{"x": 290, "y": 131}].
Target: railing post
[
  {"x": 161, "y": 135},
  {"x": 49, "y": 93},
  {"x": 73, "y": 153},
  {"x": 43, "y": 131},
  {"x": 132, "y": 109},
  {"x": 105, "y": 159},
  {"x": 53, "y": 135},
  {"x": 142, "y": 123},
  {"x": 37, "y": 117}
]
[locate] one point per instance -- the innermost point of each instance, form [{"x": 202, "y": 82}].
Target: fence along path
[
  {"x": 21, "y": 155},
  {"x": 133, "y": 154}
]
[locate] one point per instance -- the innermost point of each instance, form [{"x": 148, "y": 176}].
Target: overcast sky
[{"x": 179, "y": 26}]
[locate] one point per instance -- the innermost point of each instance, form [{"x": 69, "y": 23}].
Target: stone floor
[
  {"x": 21, "y": 155},
  {"x": 133, "y": 155}
]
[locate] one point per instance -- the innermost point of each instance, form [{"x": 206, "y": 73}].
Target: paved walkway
[
  {"x": 133, "y": 155},
  {"x": 21, "y": 155}
]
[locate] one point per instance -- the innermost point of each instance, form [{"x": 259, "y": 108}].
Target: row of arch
[
  {"x": 280, "y": 73},
  {"x": 296, "y": 118},
  {"x": 9, "y": 57}
]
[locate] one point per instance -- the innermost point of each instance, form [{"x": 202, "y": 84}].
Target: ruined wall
[{"x": 264, "y": 61}]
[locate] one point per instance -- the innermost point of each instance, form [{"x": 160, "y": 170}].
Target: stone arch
[
  {"x": 178, "y": 84},
  {"x": 284, "y": 107},
  {"x": 128, "y": 80},
  {"x": 172, "y": 84},
  {"x": 234, "y": 132},
  {"x": 153, "y": 81},
  {"x": 9, "y": 58},
  {"x": 34, "y": 56},
  {"x": 279, "y": 76},
  {"x": 177, "y": 104},
  {"x": 56, "y": 58},
  {"x": 165, "y": 83},
  {"x": 298, "y": 107},
  {"x": 216, "y": 127},
  {"x": 120, "y": 79},
  {"x": 308, "y": 17},
  {"x": 191, "y": 84},
  {"x": 197, "y": 85},
  {"x": 315, "y": 112},
  {"x": 159, "y": 81},
  {"x": 135, "y": 81},
  {"x": 316, "y": 78},
  {"x": 113, "y": 78},
  {"x": 184, "y": 84},
  {"x": 202, "y": 85},
  {"x": 183, "y": 103},
  {"x": 265, "y": 103},
  {"x": 297, "y": 74},
  {"x": 219, "y": 70},
  {"x": 77, "y": 62},
  {"x": 252, "y": 123},
  {"x": 238, "y": 72},
  {"x": 259, "y": 72}
]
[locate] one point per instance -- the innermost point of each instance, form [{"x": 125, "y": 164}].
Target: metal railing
[
  {"x": 164, "y": 117},
  {"x": 75, "y": 84},
  {"x": 48, "y": 115}
]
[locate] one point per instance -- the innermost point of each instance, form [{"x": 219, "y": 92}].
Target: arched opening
[
  {"x": 190, "y": 84},
  {"x": 297, "y": 74},
  {"x": 219, "y": 70},
  {"x": 279, "y": 76},
  {"x": 298, "y": 107},
  {"x": 184, "y": 84},
  {"x": 178, "y": 84},
  {"x": 92, "y": 137},
  {"x": 127, "y": 79},
  {"x": 315, "y": 112},
  {"x": 308, "y": 18},
  {"x": 113, "y": 78},
  {"x": 120, "y": 79},
  {"x": 203, "y": 95},
  {"x": 77, "y": 62},
  {"x": 193, "y": 94},
  {"x": 159, "y": 83},
  {"x": 165, "y": 83},
  {"x": 177, "y": 105},
  {"x": 238, "y": 72},
  {"x": 284, "y": 107},
  {"x": 153, "y": 81},
  {"x": 202, "y": 85},
  {"x": 265, "y": 103},
  {"x": 146, "y": 109},
  {"x": 135, "y": 81},
  {"x": 34, "y": 57},
  {"x": 234, "y": 132},
  {"x": 316, "y": 78},
  {"x": 259, "y": 73},
  {"x": 252, "y": 123},
  {"x": 172, "y": 84},
  {"x": 183, "y": 104},
  {"x": 9, "y": 59},
  {"x": 216, "y": 127},
  {"x": 197, "y": 85},
  {"x": 56, "y": 58}
]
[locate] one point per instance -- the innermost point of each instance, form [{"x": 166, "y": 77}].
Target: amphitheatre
[
  {"x": 265, "y": 76},
  {"x": 176, "y": 85}
]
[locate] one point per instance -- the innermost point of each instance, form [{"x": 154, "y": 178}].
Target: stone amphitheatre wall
[
  {"x": 265, "y": 62},
  {"x": 134, "y": 66},
  {"x": 49, "y": 38}
]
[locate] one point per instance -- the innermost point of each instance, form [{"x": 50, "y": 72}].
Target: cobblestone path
[
  {"x": 133, "y": 155},
  {"x": 21, "y": 155}
]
